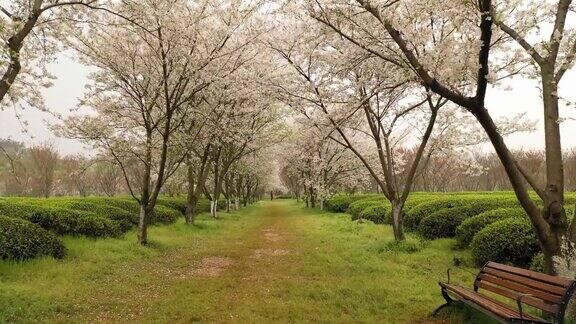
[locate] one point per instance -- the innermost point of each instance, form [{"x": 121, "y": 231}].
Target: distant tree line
[
  {"x": 450, "y": 171},
  {"x": 444, "y": 171},
  {"x": 41, "y": 171}
]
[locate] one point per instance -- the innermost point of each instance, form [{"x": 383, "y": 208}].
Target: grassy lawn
[{"x": 274, "y": 261}]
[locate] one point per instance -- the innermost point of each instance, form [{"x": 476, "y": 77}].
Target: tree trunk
[
  {"x": 190, "y": 213},
  {"x": 573, "y": 227},
  {"x": 398, "y": 220},
  {"x": 553, "y": 209},
  {"x": 321, "y": 204},
  {"x": 548, "y": 236},
  {"x": 228, "y": 203},
  {"x": 312, "y": 197},
  {"x": 214, "y": 208},
  {"x": 143, "y": 220}
]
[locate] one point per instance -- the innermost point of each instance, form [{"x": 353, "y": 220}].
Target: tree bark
[
  {"x": 549, "y": 237},
  {"x": 398, "y": 220},
  {"x": 143, "y": 221},
  {"x": 214, "y": 208},
  {"x": 191, "y": 208},
  {"x": 553, "y": 209},
  {"x": 572, "y": 229}
]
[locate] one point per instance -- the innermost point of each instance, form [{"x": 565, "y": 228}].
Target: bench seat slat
[
  {"x": 498, "y": 309},
  {"x": 559, "y": 281},
  {"x": 557, "y": 290},
  {"x": 511, "y": 285}
]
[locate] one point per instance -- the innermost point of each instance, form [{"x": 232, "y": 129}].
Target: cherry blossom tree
[
  {"x": 318, "y": 166},
  {"x": 551, "y": 56},
  {"x": 32, "y": 34},
  {"x": 356, "y": 104},
  {"x": 146, "y": 83},
  {"x": 448, "y": 50}
]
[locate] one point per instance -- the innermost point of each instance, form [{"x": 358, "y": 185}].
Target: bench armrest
[{"x": 519, "y": 299}]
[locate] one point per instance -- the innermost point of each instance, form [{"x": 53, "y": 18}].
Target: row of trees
[
  {"x": 178, "y": 87},
  {"x": 452, "y": 169},
  {"x": 197, "y": 84},
  {"x": 176, "y": 97},
  {"x": 400, "y": 79}
]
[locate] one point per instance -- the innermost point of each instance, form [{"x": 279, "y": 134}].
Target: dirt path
[
  {"x": 275, "y": 262},
  {"x": 215, "y": 278}
]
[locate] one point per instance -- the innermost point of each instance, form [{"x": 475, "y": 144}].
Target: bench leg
[{"x": 449, "y": 302}]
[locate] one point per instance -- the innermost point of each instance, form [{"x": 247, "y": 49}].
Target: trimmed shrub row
[
  {"x": 22, "y": 240},
  {"x": 339, "y": 203},
  {"x": 510, "y": 240},
  {"x": 378, "y": 212},
  {"x": 358, "y": 206},
  {"x": 92, "y": 217},
  {"x": 471, "y": 206},
  {"x": 469, "y": 227},
  {"x": 493, "y": 224},
  {"x": 62, "y": 221},
  {"x": 28, "y": 226},
  {"x": 162, "y": 214},
  {"x": 413, "y": 216},
  {"x": 444, "y": 223},
  {"x": 124, "y": 218},
  {"x": 176, "y": 203}
]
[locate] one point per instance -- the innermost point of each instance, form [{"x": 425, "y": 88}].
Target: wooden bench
[{"x": 548, "y": 293}]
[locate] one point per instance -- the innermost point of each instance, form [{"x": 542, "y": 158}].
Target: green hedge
[
  {"x": 125, "y": 219},
  {"x": 358, "y": 206},
  {"x": 22, "y": 240},
  {"x": 444, "y": 223},
  {"x": 339, "y": 203},
  {"x": 469, "y": 227},
  {"x": 415, "y": 200},
  {"x": 62, "y": 221},
  {"x": 510, "y": 241},
  {"x": 413, "y": 217},
  {"x": 472, "y": 205},
  {"x": 28, "y": 225},
  {"x": 162, "y": 214},
  {"x": 177, "y": 203},
  {"x": 379, "y": 213}
]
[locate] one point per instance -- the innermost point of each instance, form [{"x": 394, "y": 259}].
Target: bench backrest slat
[
  {"x": 552, "y": 289},
  {"x": 511, "y": 285},
  {"x": 538, "y": 303},
  {"x": 554, "y": 280},
  {"x": 548, "y": 293}
]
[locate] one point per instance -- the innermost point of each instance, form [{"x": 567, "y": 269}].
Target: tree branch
[
  {"x": 421, "y": 71},
  {"x": 514, "y": 34}
]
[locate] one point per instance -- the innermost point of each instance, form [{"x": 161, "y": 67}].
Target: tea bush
[{"x": 22, "y": 240}]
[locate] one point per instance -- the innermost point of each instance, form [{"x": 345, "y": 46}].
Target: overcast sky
[{"x": 71, "y": 79}]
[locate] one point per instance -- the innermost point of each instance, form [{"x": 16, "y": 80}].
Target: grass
[{"x": 283, "y": 263}]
